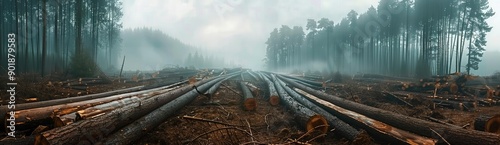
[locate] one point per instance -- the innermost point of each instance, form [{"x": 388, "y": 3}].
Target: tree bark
[
  {"x": 407, "y": 123},
  {"x": 488, "y": 123},
  {"x": 310, "y": 119},
  {"x": 95, "y": 129},
  {"x": 134, "y": 131},
  {"x": 273, "y": 95},
  {"x": 249, "y": 102},
  {"x": 374, "y": 127},
  {"x": 340, "y": 126},
  {"x": 28, "y": 116},
  {"x": 26, "y": 106},
  {"x": 62, "y": 120}
]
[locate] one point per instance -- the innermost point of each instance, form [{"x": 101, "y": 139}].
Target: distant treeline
[{"x": 399, "y": 37}]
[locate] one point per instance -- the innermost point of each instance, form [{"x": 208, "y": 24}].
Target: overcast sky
[{"x": 239, "y": 28}]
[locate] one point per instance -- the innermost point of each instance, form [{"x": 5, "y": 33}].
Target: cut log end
[
  {"x": 250, "y": 104},
  {"x": 493, "y": 124},
  {"x": 274, "y": 100},
  {"x": 488, "y": 124},
  {"x": 318, "y": 123}
]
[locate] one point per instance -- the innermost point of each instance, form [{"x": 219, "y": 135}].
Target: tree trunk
[
  {"x": 249, "y": 102},
  {"x": 488, "y": 123},
  {"x": 134, "y": 131},
  {"x": 340, "y": 126},
  {"x": 44, "y": 37},
  {"x": 95, "y": 129},
  {"x": 25, "y": 106},
  {"x": 273, "y": 95},
  {"x": 305, "y": 116}
]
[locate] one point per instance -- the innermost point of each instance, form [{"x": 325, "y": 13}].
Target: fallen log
[
  {"x": 442, "y": 122},
  {"x": 4, "y": 109},
  {"x": 372, "y": 126},
  {"x": 448, "y": 104},
  {"x": 249, "y": 102},
  {"x": 25, "y": 117},
  {"x": 210, "y": 92},
  {"x": 273, "y": 95},
  {"x": 340, "y": 126},
  {"x": 257, "y": 77},
  {"x": 63, "y": 120},
  {"x": 313, "y": 77},
  {"x": 397, "y": 98},
  {"x": 407, "y": 123},
  {"x": 255, "y": 90},
  {"x": 134, "y": 131},
  {"x": 377, "y": 76},
  {"x": 310, "y": 120},
  {"x": 314, "y": 83},
  {"x": 95, "y": 129},
  {"x": 488, "y": 123}
]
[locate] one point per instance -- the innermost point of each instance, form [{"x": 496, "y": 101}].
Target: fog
[{"x": 236, "y": 30}]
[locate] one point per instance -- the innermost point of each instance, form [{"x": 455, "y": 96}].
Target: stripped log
[
  {"x": 488, "y": 123},
  {"x": 308, "y": 118},
  {"x": 62, "y": 120},
  {"x": 94, "y": 129},
  {"x": 372, "y": 126},
  {"x": 340, "y": 126},
  {"x": 135, "y": 130},
  {"x": 4, "y": 109},
  {"x": 30, "y": 117},
  {"x": 249, "y": 102},
  {"x": 273, "y": 95},
  {"x": 418, "y": 126}
]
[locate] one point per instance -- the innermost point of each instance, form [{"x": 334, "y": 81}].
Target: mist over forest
[
  {"x": 402, "y": 38},
  {"x": 390, "y": 37}
]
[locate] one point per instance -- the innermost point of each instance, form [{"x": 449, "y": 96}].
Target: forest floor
[{"x": 222, "y": 119}]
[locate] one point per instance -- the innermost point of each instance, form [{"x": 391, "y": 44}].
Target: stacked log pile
[
  {"x": 414, "y": 125},
  {"x": 124, "y": 116}
]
